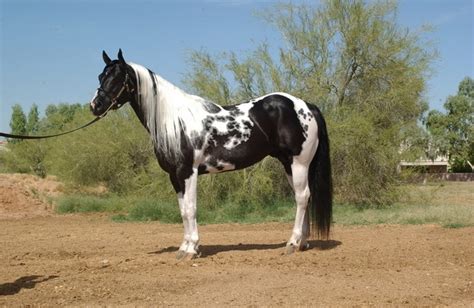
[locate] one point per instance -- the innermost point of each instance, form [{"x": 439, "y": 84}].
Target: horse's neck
[{"x": 163, "y": 109}]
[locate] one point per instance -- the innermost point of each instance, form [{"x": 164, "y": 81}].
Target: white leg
[
  {"x": 303, "y": 244},
  {"x": 189, "y": 202},
  {"x": 302, "y": 193},
  {"x": 184, "y": 244},
  {"x": 306, "y": 231}
]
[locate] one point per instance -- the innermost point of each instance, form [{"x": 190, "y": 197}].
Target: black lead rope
[
  {"x": 114, "y": 101},
  {"x": 49, "y": 136}
]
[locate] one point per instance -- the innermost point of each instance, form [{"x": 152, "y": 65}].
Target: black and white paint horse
[{"x": 193, "y": 136}]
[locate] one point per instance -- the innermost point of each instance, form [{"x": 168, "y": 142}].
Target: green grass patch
[
  {"x": 452, "y": 216},
  {"x": 85, "y": 204},
  {"x": 446, "y": 204},
  {"x": 147, "y": 210}
]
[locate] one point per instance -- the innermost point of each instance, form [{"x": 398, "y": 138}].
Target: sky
[{"x": 50, "y": 50}]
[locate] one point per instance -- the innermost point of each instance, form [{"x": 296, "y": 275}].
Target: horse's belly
[{"x": 220, "y": 159}]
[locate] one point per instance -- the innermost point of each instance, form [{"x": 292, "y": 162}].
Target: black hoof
[{"x": 303, "y": 247}]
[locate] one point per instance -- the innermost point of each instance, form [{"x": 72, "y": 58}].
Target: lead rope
[{"x": 13, "y": 136}]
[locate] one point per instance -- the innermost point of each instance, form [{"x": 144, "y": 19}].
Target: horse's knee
[{"x": 302, "y": 196}]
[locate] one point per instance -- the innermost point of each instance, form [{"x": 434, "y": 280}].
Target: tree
[
  {"x": 452, "y": 133},
  {"x": 18, "y": 120},
  {"x": 33, "y": 120},
  {"x": 57, "y": 116},
  {"x": 349, "y": 57}
]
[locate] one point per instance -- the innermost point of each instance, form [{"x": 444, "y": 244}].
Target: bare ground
[{"x": 89, "y": 260}]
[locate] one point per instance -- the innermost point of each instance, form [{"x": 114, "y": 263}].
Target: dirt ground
[{"x": 52, "y": 260}]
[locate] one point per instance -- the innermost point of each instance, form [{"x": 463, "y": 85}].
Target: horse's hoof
[
  {"x": 191, "y": 256},
  {"x": 180, "y": 255},
  {"x": 303, "y": 247},
  {"x": 290, "y": 249},
  {"x": 188, "y": 256}
]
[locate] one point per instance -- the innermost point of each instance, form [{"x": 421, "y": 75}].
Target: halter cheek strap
[{"x": 114, "y": 100}]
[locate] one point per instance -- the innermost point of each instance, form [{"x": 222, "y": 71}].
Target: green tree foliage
[
  {"x": 115, "y": 151},
  {"x": 25, "y": 156},
  {"x": 31, "y": 156},
  {"x": 18, "y": 120},
  {"x": 452, "y": 133},
  {"x": 353, "y": 60},
  {"x": 33, "y": 120},
  {"x": 58, "y": 116}
]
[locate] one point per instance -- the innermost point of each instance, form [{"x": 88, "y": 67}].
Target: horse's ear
[
  {"x": 120, "y": 57},
  {"x": 106, "y": 57}
]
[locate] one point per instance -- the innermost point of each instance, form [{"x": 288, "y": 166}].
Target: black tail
[{"x": 320, "y": 180}]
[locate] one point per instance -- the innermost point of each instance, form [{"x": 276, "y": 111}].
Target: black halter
[{"x": 114, "y": 100}]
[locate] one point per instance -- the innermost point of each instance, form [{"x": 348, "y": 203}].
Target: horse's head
[{"x": 116, "y": 86}]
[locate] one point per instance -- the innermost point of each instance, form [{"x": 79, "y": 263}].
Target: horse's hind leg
[
  {"x": 306, "y": 227},
  {"x": 302, "y": 194}
]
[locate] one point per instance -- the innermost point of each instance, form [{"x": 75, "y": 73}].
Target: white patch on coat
[
  {"x": 92, "y": 102},
  {"x": 232, "y": 142},
  {"x": 240, "y": 117}
]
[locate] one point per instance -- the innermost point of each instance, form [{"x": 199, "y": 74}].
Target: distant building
[{"x": 422, "y": 165}]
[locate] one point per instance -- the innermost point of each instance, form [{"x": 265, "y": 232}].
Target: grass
[
  {"x": 143, "y": 209},
  {"x": 448, "y": 204},
  {"x": 452, "y": 216},
  {"x": 83, "y": 204}
]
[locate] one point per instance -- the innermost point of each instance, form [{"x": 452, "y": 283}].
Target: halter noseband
[{"x": 125, "y": 86}]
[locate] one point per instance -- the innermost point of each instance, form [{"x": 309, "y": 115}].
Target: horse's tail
[{"x": 320, "y": 180}]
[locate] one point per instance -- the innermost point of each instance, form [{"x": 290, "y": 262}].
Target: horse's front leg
[
  {"x": 184, "y": 245},
  {"x": 188, "y": 207}
]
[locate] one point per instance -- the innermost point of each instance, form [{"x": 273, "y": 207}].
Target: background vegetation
[{"x": 351, "y": 58}]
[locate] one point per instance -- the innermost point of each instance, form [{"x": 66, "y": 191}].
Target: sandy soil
[
  {"x": 89, "y": 260},
  {"x": 23, "y": 195}
]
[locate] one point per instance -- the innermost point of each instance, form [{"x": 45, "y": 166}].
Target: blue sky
[{"x": 50, "y": 50}]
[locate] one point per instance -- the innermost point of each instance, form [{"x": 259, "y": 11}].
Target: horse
[{"x": 193, "y": 136}]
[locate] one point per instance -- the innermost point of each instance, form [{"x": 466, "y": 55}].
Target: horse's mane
[{"x": 168, "y": 111}]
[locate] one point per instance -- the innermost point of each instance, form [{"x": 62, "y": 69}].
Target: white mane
[{"x": 167, "y": 110}]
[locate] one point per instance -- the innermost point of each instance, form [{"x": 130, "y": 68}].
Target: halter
[{"x": 114, "y": 100}]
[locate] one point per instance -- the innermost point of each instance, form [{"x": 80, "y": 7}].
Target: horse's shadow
[
  {"x": 210, "y": 250},
  {"x": 25, "y": 282}
]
